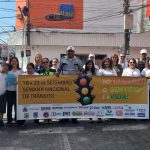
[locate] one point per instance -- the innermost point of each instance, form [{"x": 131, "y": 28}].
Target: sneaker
[
  {"x": 63, "y": 120},
  {"x": 21, "y": 123},
  {"x": 36, "y": 121},
  {"x": 91, "y": 120},
  {"x": 106, "y": 120},
  {"x": 74, "y": 121},
  {"x": 1, "y": 124},
  {"x": 49, "y": 121},
  {"x": 8, "y": 123}
]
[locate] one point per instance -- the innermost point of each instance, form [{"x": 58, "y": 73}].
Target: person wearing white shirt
[
  {"x": 90, "y": 71},
  {"x": 14, "y": 72},
  {"x": 146, "y": 71},
  {"x": 30, "y": 71},
  {"x": 131, "y": 71},
  {"x": 92, "y": 57},
  {"x": 107, "y": 68},
  {"x": 3, "y": 75}
]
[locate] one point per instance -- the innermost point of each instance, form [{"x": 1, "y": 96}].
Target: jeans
[{"x": 11, "y": 101}]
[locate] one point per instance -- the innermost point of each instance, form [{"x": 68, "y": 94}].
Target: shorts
[{"x": 3, "y": 103}]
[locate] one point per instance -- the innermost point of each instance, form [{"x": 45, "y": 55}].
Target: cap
[
  {"x": 122, "y": 54},
  {"x": 143, "y": 51},
  {"x": 91, "y": 55},
  {"x": 70, "y": 48}
]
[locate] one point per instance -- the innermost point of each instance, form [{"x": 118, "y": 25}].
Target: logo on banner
[
  {"x": 77, "y": 113},
  {"x": 100, "y": 113},
  {"x": 129, "y": 114},
  {"x": 106, "y": 107},
  {"x": 45, "y": 108},
  {"x": 35, "y": 115},
  {"x": 25, "y": 109},
  {"x": 83, "y": 107},
  {"x": 55, "y": 114},
  {"x": 26, "y": 115},
  {"x": 141, "y": 114},
  {"x": 141, "y": 110},
  {"x": 129, "y": 111},
  {"x": 94, "y": 107},
  {"x": 119, "y": 113},
  {"x": 109, "y": 112},
  {"x": 66, "y": 113},
  {"x": 70, "y": 107},
  {"x": 45, "y": 114},
  {"x": 89, "y": 113},
  {"x": 57, "y": 108}
]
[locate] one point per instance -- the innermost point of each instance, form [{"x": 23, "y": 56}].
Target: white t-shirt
[
  {"x": 145, "y": 72},
  {"x": 124, "y": 65},
  {"x": 12, "y": 79},
  {"x": 107, "y": 72},
  {"x": 3, "y": 83},
  {"x": 131, "y": 72}
]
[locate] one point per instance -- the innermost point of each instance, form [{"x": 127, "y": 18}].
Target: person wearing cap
[
  {"x": 122, "y": 61},
  {"x": 70, "y": 65},
  {"x": 92, "y": 57},
  {"x": 142, "y": 60},
  {"x": 3, "y": 75}
]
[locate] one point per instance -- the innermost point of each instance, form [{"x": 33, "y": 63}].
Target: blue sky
[{"x": 7, "y": 9}]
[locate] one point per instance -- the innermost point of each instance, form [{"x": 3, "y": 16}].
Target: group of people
[
  {"x": 8, "y": 77},
  {"x": 116, "y": 65}
]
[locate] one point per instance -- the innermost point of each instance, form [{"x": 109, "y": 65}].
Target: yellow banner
[{"x": 70, "y": 90}]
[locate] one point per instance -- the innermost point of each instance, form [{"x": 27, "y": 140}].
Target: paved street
[{"x": 114, "y": 135}]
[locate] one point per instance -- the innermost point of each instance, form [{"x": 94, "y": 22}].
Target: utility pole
[
  {"x": 128, "y": 23},
  {"x": 28, "y": 27},
  {"x": 23, "y": 26}
]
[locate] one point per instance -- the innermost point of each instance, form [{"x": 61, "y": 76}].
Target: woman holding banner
[
  {"x": 47, "y": 71},
  {"x": 89, "y": 71},
  {"x": 107, "y": 70},
  {"x": 30, "y": 71},
  {"x": 14, "y": 72},
  {"x": 38, "y": 68},
  {"x": 132, "y": 70},
  {"x": 146, "y": 73}
]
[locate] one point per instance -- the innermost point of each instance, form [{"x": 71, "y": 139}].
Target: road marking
[
  {"x": 51, "y": 130},
  {"x": 66, "y": 142},
  {"x": 83, "y": 139},
  {"x": 125, "y": 127}
]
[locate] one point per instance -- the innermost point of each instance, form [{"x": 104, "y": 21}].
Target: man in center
[{"x": 70, "y": 65}]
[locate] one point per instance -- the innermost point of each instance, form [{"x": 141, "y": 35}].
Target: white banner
[{"x": 47, "y": 111}]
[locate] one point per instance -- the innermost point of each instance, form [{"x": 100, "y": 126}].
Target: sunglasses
[
  {"x": 46, "y": 62},
  {"x": 132, "y": 62},
  {"x": 70, "y": 51},
  {"x": 55, "y": 62}
]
